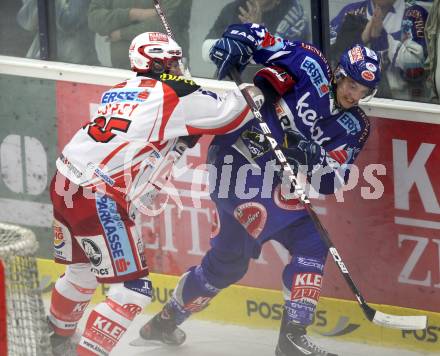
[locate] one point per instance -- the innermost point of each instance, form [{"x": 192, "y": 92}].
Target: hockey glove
[
  {"x": 228, "y": 53},
  {"x": 234, "y": 49},
  {"x": 273, "y": 81},
  {"x": 301, "y": 152}
]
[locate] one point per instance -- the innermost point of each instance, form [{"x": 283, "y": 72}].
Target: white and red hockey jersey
[{"x": 138, "y": 122}]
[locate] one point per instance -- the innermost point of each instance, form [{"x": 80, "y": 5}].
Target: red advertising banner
[
  {"x": 385, "y": 222},
  {"x": 392, "y": 243}
]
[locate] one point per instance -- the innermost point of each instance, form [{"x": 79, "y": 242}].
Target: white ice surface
[
  {"x": 213, "y": 339},
  {"x": 205, "y": 338}
]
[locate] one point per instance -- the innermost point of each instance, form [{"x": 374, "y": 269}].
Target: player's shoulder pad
[
  {"x": 181, "y": 85},
  {"x": 310, "y": 50},
  {"x": 364, "y": 123}
]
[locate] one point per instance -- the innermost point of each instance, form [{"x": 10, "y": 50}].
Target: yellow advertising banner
[{"x": 262, "y": 308}]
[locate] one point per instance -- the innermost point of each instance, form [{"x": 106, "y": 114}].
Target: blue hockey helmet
[{"x": 362, "y": 64}]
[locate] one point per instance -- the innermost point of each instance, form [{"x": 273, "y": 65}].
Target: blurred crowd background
[{"x": 98, "y": 32}]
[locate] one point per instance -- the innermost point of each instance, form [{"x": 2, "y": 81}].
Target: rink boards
[
  {"x": 262, "y": 308},
  {"x": 386, "y": 229}
]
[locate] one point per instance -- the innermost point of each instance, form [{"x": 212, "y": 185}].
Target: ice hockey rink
[{"x": 212, "y": 339}]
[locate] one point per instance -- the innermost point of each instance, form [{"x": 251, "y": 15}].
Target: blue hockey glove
[
  {"x": 300, "y": 151},
  {"x": 228, "y": 53},
  {"x": 234, "y": 49}
]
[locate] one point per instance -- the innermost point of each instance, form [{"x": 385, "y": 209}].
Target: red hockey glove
[{"x": 274, "y": 79}]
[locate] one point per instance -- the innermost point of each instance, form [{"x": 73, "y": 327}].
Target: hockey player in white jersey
[{"x": 104, "y": 172}]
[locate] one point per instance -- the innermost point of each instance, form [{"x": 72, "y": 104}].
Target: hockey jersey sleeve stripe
[
  {"x": 113, "y": 153},
  {"x": 151, "y": 146},
  {"x": 170, "y": 101},
  {"x": 222, "y": 129}
]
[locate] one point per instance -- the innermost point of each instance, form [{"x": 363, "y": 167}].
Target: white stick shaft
[{"x": 166, "y": 25}]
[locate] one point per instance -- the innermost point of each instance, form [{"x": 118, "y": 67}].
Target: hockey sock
[
  {"x": 192, "y": 294},
  {"x": 302, "y": 280},
  {"x": 110, "y": 319},
  {"x": 69, "y": 301}
]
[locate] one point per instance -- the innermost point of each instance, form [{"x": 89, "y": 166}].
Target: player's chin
[
  {"x": 175, "y": 71},
  {"x": 346, "y": 104}
]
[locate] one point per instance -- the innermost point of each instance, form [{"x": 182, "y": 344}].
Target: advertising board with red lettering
[{"x": 385, "y": 223}]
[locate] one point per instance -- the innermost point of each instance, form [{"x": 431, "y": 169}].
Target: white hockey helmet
[{"x": 153, "y": 51}]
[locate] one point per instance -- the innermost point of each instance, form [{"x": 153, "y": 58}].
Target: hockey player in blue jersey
[{"x": 314, "y": 114}]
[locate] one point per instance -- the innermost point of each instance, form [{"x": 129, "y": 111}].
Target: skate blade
[{"x": 140, "y": 342}]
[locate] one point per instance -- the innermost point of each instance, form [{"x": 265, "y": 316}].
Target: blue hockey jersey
[{"x": 308, "y": 108}]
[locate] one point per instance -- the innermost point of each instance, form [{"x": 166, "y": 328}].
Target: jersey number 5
[{"x": 101, "y": 132}]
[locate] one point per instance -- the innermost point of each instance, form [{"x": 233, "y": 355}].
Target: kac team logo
[{"x": 92, "y": 251}]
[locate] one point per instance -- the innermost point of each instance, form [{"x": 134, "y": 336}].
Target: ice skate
[
  {"x": 62, "y": 345},
  {"x": 162, "y": 327},
  {"x": 293, "y": 341}
]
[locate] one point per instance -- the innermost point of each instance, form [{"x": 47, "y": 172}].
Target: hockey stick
[
  {"x": 153, "y": 186},
  {"x": 166, "y": 25},
  {"x": 377, "y": 317},
  {"x": 189, "y": 141}
]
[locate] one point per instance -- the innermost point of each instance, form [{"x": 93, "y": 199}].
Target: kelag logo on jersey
[
  {"x": 116, "y": 235},
  {"x": 349, "y": 122},
  {"x": 307, "y": 115},
  {"x": 314, "y": 71}
]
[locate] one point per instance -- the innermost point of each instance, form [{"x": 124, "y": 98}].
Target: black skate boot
[
  {"x": 293, "y": 341},
  {"x": 163, "y": 327}
]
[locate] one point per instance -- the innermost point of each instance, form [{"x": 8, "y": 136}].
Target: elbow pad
[{"x": 274, "y": 79}]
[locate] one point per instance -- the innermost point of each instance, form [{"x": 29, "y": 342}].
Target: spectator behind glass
[
  {"x": 74, "y": 39},
  {"x": 432, "y": 30},
  {"x": 284, "y": 18},
  {"x": 395, "y": 29},
  {"x": 117, "y": 22},
  {"x": 14, "y": 39}
]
